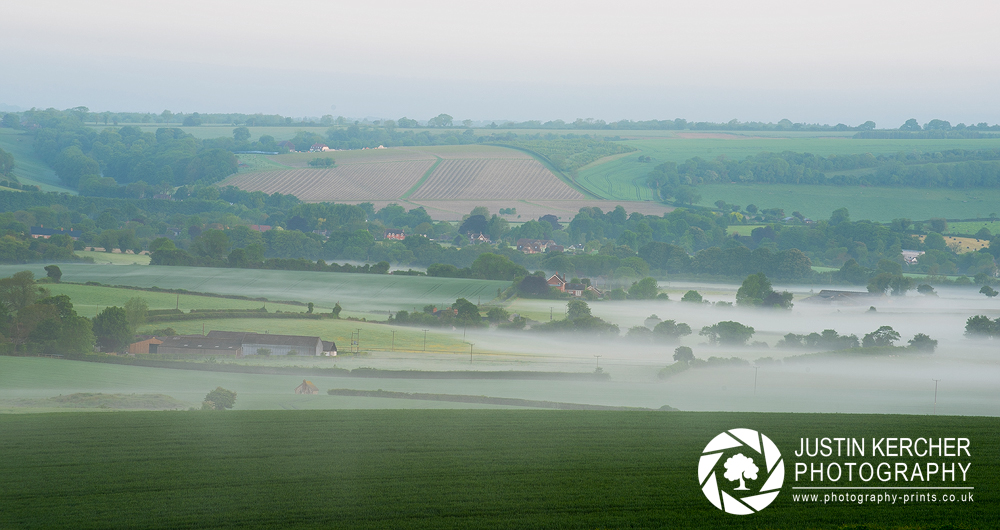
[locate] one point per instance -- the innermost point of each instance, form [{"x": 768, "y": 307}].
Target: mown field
[
  {"x": 494, "y": 179},
  {"x": 877, "y": 204},
  {"x": 88, "y": 299},
  {"x": 114, "y": 258},
  {"x": 355, "y": 292},
  {"x": 433, "y": 469}
]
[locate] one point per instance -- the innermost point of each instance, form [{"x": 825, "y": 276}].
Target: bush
[{"x": 219, "y": 399}]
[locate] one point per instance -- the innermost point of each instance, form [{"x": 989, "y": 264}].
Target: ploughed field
[
  {"x": 445, "y": 172},
  {"x": 439, "y": 469}
]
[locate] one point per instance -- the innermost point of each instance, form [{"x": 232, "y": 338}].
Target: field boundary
[
  {"x": 555, "y": 171},
  {"x": 462, "y": 398},
  {"x": 427, "y": 174}
]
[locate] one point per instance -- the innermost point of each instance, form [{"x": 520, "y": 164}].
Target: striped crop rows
[
  {"x": 494, "y": 179},
  {"x": 388, "y": 180}
]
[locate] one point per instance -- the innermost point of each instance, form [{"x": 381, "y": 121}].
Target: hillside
[{"x": 448, "y": 181}]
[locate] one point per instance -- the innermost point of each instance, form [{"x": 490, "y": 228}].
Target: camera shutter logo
[{"x": 753, "y": 457}]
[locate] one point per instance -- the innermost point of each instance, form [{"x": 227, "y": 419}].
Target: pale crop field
[
  {"x": 386, "y": 180},
  {"x": 494, "y": 179}
]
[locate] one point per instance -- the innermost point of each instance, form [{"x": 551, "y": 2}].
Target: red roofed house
[
  {"x": 558, "y": 282},
  {"x": 392, "y": 233},
  {"x": 315, "y": 148}
]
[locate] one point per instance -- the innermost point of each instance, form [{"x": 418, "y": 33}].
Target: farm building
[
  {"x": 316, "y": 148},
  {"x": 398, "y": 235},
  {"x": 287, "y": 145},
  {"x": 197, "y": 345},
  {"x": 239, "y": 343},
  {"x": 831, "y": 296},
  {"x": 306, "y": 388},
  {"x": 143, "y": 346},
  {"x": 252, "y": 343},
  {"x": 45, "y": 233}
]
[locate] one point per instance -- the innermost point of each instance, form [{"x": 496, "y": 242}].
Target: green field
[
  {"x": 203, "y": 132},
  {"x": 88, "y": 298},
  {"x": 28, "y": 168},
  {"x": 623, "y": 178},
  {"x": 355, "y": 292},
  {"x": 877, "y": 204},
  {"x": 114, "y": 258},
  {"x": 971, "y": 227},
  {"x": 435, "y": 469}
]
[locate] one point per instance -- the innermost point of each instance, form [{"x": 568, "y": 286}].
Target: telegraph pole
[
  {"x": 755, "y": 380},
  {"x": 470, "y": 353},
  {"x": 425, "y": 340},
  {"x": 935, "y": 394},
  {"x": 393, "y": 346},
  {"x": 598, "y": 361}
]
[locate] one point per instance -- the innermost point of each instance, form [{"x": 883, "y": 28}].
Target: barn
[{"x": 306, "y": 388}]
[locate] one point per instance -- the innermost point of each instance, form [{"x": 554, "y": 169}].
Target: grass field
[
  {"x": 28, "y": 168},
  {"x": 88, "y": 298},
  {"x": 971, "y": 227},
  {"x": 876, "y": 204},
  {"x": 355, "y": 292},
  {"x": 114, "y": 258},
  {"x": 436, "y": 469}
]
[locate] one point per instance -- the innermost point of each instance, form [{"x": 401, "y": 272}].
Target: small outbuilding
[{"x": 306, "y": 388}]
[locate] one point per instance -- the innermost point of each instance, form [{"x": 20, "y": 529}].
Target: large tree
[{"x": 112, "y": 329}]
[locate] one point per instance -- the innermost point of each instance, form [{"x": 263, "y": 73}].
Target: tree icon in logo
[
  {"x": 736, "y": 444},
  {"x": 738, "y": 467}
]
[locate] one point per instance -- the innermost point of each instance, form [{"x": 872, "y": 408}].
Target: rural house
[
  {"x": 45, "y": 233},
  {"x": 559, "y": 282},
  {"x": 306, "y": 388},
  {"x": 397, "y": 235},
  {"x": 316, "y": 148},
  {"x": 537, "y": 246}
]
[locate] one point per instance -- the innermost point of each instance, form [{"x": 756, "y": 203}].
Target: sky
[{"x": 709, "y": 60}]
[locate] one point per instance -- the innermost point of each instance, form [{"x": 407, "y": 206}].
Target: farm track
[{"x": 494, "y": 179}]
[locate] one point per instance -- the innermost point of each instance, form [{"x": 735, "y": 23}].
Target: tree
[
  {"x": 853, "y": 273},
  {"x": 683, "y": 354},
  {"x": 988, "y": 291},
  {"x": 136, "y": 310},
  {"x": 336, "y": 310},
  {"x": 219, "y": 399},
  {"x": 739, "y": 467},
  {"x": 644, "y": 289},
  {"x": 910, "y": 125},
  {"x": 728, "y": 332},
  {"x": 475, "y": 224},
  {"x": 753, "y": 290},
  {"x": 241, "y": 134},
  {"x": 53, "y": 271},
  {"x": 111, "y": 329},
  {"x": 670, "y": 331},
  {"x": 577, "y": 309},
  {"x": 18, "y": 291},
  {"x": 883, "y": 336},
  {"x": 468, "y": 313},
  {"x": 441, "y": 120},
  {"x": 310, "y": 307},
  {"x": 926, "y": 290},
  {"x": 6, "y": 163},
  {"x": 692, "y": 296},
  {"x": 497, "y": 315},
  {"x": 923, "y": 342},
  {"x": 982, "y": 326}
]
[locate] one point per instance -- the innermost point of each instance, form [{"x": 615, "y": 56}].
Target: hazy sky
[{"x": 828, "y": 62}]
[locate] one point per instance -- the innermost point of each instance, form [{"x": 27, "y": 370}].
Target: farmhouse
[
  {"x": 316, "y": 148},
  {"x": 45, "y": 233},
  {"x": 306, "y": 388},
  {"x": 392, "y": 233}
]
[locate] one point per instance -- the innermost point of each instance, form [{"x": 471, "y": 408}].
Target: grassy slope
[
  {"x": 431, "y": 469},
  {"x": 355, "y": 292},
  {"x": 877, "y": 204},
  {"x": 28, "y": 168},
  {"x": 622, "y": 178},
  {"x": 115, "y": 258}
]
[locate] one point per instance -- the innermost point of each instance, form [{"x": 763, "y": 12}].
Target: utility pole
[
  {"x": 598, "y": 361},
  {"x": 550, "y": 314},
  {"x": 178, "y": 304},
  {"x": 935, "y": 395},
  {"x": 425, "y": 340},
  {"x": 393, "y": 346},
  {"x": 359, "y": 340},
  {"x": 470, "y": 353},
  {"x": 755, "y": 380}
]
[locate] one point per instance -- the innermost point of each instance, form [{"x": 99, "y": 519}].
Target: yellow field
[{"x": 964, "y": 244}]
